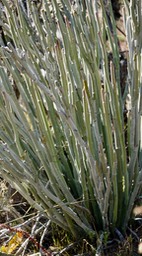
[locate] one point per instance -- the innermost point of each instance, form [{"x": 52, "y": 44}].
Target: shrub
[{"x": 70, "y": 140}]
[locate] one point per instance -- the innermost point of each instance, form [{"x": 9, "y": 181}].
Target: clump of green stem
[{"x": 63, "y": 143}]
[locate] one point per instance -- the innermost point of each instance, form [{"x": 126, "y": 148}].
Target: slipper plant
[{"x": 70, "y": 140}]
